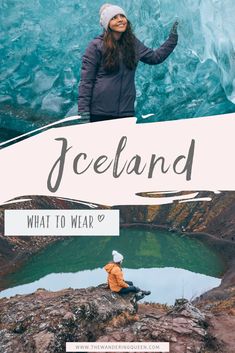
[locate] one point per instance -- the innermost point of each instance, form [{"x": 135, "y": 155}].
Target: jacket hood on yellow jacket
[{"x": 110, "y": 266}]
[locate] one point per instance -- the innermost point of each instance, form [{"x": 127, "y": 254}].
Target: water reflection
[{"x": 166, "y": 284}]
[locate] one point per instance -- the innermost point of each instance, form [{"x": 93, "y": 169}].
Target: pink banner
[{"x": 112, "y": 162}]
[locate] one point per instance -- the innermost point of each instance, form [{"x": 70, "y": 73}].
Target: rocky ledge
[{"x": 43, "y": 321}]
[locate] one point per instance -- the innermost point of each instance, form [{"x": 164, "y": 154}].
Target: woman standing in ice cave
[{"x": 107, "y": 85}]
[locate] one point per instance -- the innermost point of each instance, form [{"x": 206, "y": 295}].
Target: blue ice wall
[{"x": 42, "y": 43}]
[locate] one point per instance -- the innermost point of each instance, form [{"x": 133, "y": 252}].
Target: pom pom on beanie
[{"x": 117, "y": 257}]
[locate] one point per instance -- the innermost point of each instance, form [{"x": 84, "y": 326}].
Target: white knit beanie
[
  {"x": 107, "y": 12},
  {"x": 117, "y": 257}
]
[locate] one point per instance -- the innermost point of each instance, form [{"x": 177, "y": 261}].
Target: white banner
[
  {"x": 117, "y": 346},
  {"x": 61, "y": 222},
  {"x": 111, "y": 162}
]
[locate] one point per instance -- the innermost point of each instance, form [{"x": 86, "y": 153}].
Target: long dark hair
[{"x": 123, "y": 48}]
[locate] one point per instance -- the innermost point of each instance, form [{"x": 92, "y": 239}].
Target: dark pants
[
  {"x": 129, "y": 289},
  {"x": 94, "y": 118}
]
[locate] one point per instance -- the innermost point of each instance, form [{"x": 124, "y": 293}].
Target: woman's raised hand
[{"x": 174, "y": 28}]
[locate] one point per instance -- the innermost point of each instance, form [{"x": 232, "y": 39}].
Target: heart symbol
[{"x": 100, "y": 217}]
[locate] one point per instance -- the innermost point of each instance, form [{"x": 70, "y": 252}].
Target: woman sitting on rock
[{"x": 116, "y": 280}]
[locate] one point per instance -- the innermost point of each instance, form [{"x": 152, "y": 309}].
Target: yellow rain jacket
[{"x": 115, "y": 277}]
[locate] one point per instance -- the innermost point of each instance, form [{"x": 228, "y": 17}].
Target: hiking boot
[
  {"x": 146, "y": 292},
  {"x": 139, "y": 296}
]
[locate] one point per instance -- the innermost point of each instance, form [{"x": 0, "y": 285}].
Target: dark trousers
[
  {"x": 129, "y": 289},
  {"x": 94, "y": 118}
]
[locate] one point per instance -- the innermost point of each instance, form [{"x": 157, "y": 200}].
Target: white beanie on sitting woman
[
  {"x": 107, "y": 12},
  {"x": 117, "y": 257}
]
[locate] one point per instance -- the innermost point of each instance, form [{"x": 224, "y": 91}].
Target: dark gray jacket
[{"x": 102, "y": 93}]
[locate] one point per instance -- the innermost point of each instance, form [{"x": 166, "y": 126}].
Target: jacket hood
[{"x": 108, "y": 268}]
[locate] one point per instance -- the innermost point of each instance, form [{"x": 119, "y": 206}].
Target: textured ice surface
[{"x": 42, "y": 43}]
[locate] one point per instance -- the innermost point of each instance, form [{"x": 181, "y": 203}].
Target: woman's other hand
[{"x": 85, "y": 117}]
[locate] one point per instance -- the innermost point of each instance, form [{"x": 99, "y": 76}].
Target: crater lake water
[{"x": 170, "y": 265}]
